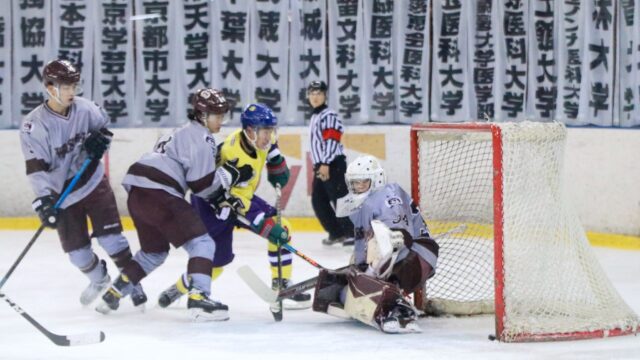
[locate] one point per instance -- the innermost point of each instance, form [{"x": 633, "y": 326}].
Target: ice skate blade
[
  {"x": 103, "y": 308},
  {"x": 199, "y": 315},
  {"x": 289, "y": 304},
  {"x": 394, "y": 327}
]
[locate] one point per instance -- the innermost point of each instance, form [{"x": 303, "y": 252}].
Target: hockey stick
[
  {"x": 277, "y": 309},
  {"x": 64, "y": 195},
  {"x": 269, "y": 295},
  {"x": 60, "y": 340},
  {"x": 287, "y": 246}
]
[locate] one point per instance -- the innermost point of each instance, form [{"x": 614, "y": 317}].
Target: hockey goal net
[{"x": 492, "y": 196}]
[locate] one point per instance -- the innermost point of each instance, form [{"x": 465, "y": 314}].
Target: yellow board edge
[{"x": 306, "y": 224}]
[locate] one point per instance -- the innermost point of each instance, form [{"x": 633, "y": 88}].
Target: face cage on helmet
[
  {"x": 376, "y": 179},
  {"x": 256, "y": 129},
  {"x": 77, "y": 90},
  {"x": 202, "y": 117}
]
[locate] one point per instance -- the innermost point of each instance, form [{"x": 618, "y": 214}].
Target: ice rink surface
[{"x": 47, "y": 286}]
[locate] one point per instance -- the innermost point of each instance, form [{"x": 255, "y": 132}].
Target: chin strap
[
  {"x": 251, "y": 141},
  {"x": 56, "y": 97}
]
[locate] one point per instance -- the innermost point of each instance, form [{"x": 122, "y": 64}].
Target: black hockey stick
[
  {"x": 276, "y": 308},
  {"x": 60, "y": 340},
  {"x": 64, "y": 195},
  {"x": 269, "y": 295}
]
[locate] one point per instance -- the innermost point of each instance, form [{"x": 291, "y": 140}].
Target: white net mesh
[{"x": 553, "y": 284}]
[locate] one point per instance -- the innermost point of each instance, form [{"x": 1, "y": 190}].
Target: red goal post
[{"x": 522, "y": 250}]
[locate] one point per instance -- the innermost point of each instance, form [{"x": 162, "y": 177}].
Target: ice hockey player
[
  {"x": 57, "y": 137},
  {"x": 157, "y": 184},
  {"x": 394, "y": 254},
  {"x": 253, "y": 145}
]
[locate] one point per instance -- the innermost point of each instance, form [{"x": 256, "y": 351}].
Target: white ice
[{"x": 47, "y": 286}]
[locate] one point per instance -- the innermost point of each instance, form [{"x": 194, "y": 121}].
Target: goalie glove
[
  {"x": 278, "y": 171},
  {"x": 382, "y": 249}
]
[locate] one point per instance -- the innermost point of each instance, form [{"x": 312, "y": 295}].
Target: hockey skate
[
  {"x": 202, "y": 308},
  {"x": 349, "y": 242},
  {"x": 95, "y": 288},
  {"x": 402, "y": 319},
  {"x": 172, "y": 293},
  {"x": 139, "y": 298},
  {"x": 294, "y": 302},
  {"x": 332, "y": 241},
  {"x": 111, "y": 299}
]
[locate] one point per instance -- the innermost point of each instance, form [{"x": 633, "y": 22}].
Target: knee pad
[
  {"x": 201, "y": 246},
  {"x": 113, "y": 243},
  {"x": 150, "y": 261},
  {"x": 83, "y": 258}
]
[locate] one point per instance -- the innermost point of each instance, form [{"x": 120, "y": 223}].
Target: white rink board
[{"x": 601, "y": 166}]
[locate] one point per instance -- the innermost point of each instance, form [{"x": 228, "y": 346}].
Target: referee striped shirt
[{"x": 325, "y": 131}]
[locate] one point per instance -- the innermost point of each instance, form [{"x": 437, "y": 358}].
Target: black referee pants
[{"x": 323, "y": 199}]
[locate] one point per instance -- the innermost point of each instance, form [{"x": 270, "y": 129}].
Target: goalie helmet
[
  {"x": 60, "y": 72},
  {"x": 366, "y": 168},
  {"x": 210, "y": 101},
  {"x": 257, "y": 116}
]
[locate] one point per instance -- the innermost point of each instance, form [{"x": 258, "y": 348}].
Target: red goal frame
[{"x": 498, "y": 213}]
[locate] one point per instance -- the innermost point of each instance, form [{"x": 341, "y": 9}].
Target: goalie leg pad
[
  {"x": 328, "y": 288},
  {"x": 369, "y": 299},
  {"x": 411, "y": 273}
]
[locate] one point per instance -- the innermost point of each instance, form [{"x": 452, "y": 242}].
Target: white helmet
[{"x": 365, "y": 168}]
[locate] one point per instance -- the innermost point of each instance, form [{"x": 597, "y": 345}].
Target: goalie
[{"x": 394, "y": 254}]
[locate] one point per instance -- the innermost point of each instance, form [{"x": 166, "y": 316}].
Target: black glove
[
  {"x": 47, "y": 213},
  {"x": 97, "y": 143},
  {"x": 226, "y": 205},
  {"x": 238, "y": 174}
]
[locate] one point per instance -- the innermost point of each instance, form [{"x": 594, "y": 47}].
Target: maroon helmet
[
  {"x": 210, "y": 101},
  {"x": 60, "y": 72}
]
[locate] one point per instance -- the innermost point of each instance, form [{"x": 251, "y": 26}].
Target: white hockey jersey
[
  {"x": 185, "y": 159},
  {"x": 394, "y": 207},
  {"x": 52, "y": 147}
]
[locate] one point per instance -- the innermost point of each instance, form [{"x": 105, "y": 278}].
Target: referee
[{"x": 329, "y": 165}]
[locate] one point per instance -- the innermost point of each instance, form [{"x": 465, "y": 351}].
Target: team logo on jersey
[
  {"x": 27, "y": 127},
  {"x": 393, "y": 201}
]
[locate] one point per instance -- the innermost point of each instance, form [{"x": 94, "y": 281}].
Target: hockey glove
[
  {"x": 237, "y": 174},
  {"x": 97, "y": 143},
  {"x": 44, "y": 206},
  {"x": 272, "y": 231},
  {"x": 226, "y": 205},
  {"x": 278, "y": 171}
]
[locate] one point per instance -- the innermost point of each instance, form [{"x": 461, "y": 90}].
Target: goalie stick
[
  {"x": 60, "y": 340},
  {"x": 269, "y": 295}
]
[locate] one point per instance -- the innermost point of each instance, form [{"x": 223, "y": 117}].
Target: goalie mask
[
  {"x": 362, "y": 169},
  {"x": 363, "y": 175}
]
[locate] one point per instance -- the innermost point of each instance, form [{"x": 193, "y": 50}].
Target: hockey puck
[{"x": 492, "y": 337}]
